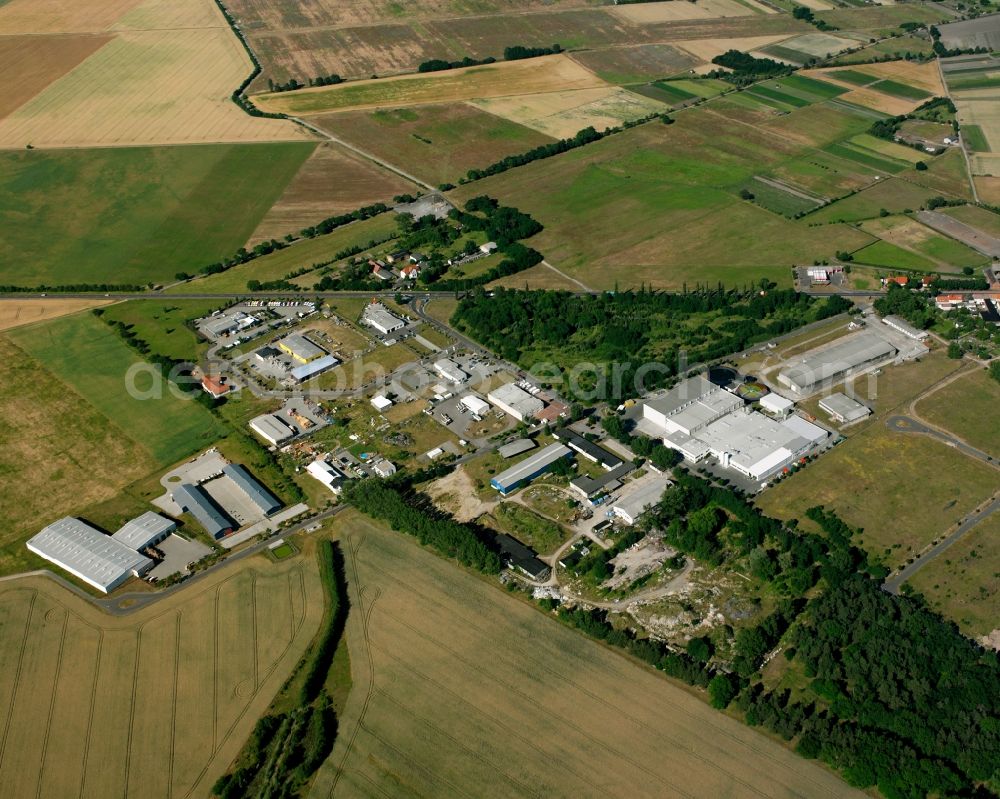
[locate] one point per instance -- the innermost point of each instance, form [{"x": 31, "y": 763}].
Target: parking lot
[{"x": 178, "y": 552}]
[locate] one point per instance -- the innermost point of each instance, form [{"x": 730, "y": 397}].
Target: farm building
[
  {"x": 377, "y": 317},
  {"x": 380, "y": 402},
  {"x": 272, "y": 428},
  {"x": 476, "y": 405},
  {"x": 300, "y": 348},
  {"x": 776, "y": 405},
  {"x": 859, "y": 351},
  {"x": 251, "y": 487},
  {"x": 589, "y": 450},
  {"x": 193, "y": 499},
  {"x": 450, "y": 370},
  {"x": 307, "y": 371},
  {"x": 87, "y": 553},
  {"x": 517, "y": 447},
  {"x": 690, "y": 405},
  {"x": 631, "y": 507},
  {"x": 902, "y": 326},
  {"x": 751, "y": 443},
  {"x": 530, "y": 468},
  {"x": 515, "y": 401},
  {"x": 146, "y": 530},
  {"x": 520, "y": 557},
  {"x": 843, "y": 408},
  {"x": 328, "y": 475}
]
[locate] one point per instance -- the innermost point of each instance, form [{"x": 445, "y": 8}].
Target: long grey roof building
[
  {"x": 194, "y": 500},
  {"x": 146, "y": 530},
  {"x": 249, "y": 485}
]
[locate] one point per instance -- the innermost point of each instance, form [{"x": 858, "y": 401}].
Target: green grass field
[
  {"x": 163, "y": 324},
  {"x": 777, "y": 200},
  {"x": 882, "y": 253},
  {"x": 133, "y": 215},
  {"x": 987, "y": 221},
  {"x": 966, "y": 408},
  {"x": 963, "y": 583},
  {"x": 975, "y": 138},
  {"x": 541, "y": 534},
  {"x": 897, "y": 89},
  {"x": 856, "y": 77},
  {"x": 301, "y": 254},
  {"x": 88, "y": 356},
  {"x": 647, "y": 206}
]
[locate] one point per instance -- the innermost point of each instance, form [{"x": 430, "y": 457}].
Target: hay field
[
  {"x": 437, "y": 143},
  {"x": 916, "y": 238},
  {"x": 53, "y": 438},
  {"x": 563, "y": 114},
  {"x": 672, "y": 11},
  {"x": 546, "y": 74},
  {"x": 153, "y": 704},
  {"x": 456, "y": 686},
  {"x": 165, "y": 78},
  {"x": 332, "y": 180},
  {"x": 134, "y": 214},
  {"x": 15, "y": 312},
  {"x": 31, "y": 63}
]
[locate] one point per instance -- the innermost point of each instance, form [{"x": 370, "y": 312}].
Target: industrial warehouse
[
  {"x": 99, "y": 560},
  {"x": 531, "y": 467},
  {"x": 830, "y": 364},
  {"x": 515, "y": 401},
  {"x": 700, "y": 419}
]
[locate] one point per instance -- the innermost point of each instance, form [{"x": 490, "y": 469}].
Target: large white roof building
[
  {"x": 515, "y": 401},
  {"x": 146, "y": 530},
  {"x": 833, "y": 363},
  {"x": 690, "y": 406},
  {"x": 272, "y": 428},
  {"x": 87, "y": 553}
]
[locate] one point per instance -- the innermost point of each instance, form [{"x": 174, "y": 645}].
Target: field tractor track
[
  {"x": 132, "y": 704},
  {"x": 52, "y": 706},
  {"x": 17, "y": 675},
  {"x": 173, "y": 704},
  {"x": 90, "y": 712}
]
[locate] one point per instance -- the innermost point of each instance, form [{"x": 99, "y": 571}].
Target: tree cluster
[{"x": 409, "y": 512}]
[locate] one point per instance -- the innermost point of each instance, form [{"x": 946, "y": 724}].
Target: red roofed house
[
  {"x": 948, "y": 302},
  {"x": 899, "y": 280},
  {"x": 216, "y": 386},
  {"x": 410, "y": 272}
]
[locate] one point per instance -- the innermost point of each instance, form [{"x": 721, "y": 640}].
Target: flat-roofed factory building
[
  {"x": 300, "y": 348},
  {"x": 843, "y": 408},
  {"x": 515, "y": 401},
  {"x": 146, "y": 530},
  {"x": 855, "y": 353},
  {"x": 88, "y": 554}
]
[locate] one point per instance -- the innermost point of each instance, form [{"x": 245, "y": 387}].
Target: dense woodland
[{"x": 634, "y": 328}]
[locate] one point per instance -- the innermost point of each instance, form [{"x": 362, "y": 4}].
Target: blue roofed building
[{"x": 249, "y": 485}]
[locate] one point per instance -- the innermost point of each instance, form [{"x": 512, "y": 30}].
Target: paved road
[
  {"x": 906, "y": 424},
  {"x": 895, "y": 581}
]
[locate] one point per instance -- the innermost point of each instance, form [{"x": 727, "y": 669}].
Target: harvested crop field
[
  {"x": 920, "y": 76},
  {"x": 31, "y": 63},
  {"x": 672, "y": 11},
  {"x": 61, "y": 16},
  {"x": 164, "y": 78},
  {"x": 709, "y": 48},
  {"x": 914, "y": 237},
  {"x": 457, "y": 685},
  {"x": 971, "y": 33},
  {"x": 153, "y": 704},
  {"x": 550, "y": 73},
  {"x": 437, "y": 143},
  {"x": 637, "y": 64},
  {"x": 16, "y": 312},
  {"x": 333, "y": 180},
  {"x": 563, "y": 114},
  {"x": 133, "y": 214},
  {"x": 800, "y": 49}
]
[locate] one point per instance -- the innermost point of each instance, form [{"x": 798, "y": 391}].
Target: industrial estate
[{"x": 527, "y": 398}]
